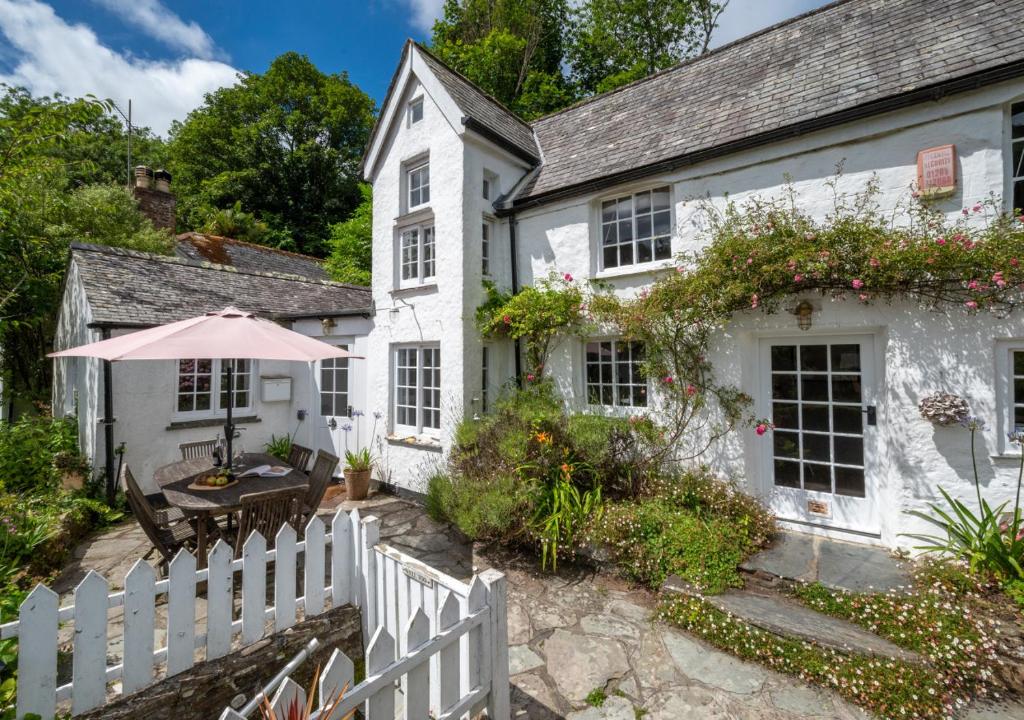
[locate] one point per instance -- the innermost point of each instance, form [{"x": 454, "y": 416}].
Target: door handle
[
  {"x": 872, "y": 414},
  {"x": 332, "y": 424}
]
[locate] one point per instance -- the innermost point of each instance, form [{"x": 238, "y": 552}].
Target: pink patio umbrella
[{"x": 231, "y": 334}]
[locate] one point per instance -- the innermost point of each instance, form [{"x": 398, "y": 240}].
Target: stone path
[
  {"x": 571, "y": 633},
  {"x": 833, "y": 563}
]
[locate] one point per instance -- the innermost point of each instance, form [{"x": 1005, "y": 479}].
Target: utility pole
[{"x": 128, "y": 120}]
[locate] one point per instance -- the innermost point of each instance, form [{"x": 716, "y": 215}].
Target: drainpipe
[
  {"x": 108, "y": 425},
  {"x": 512, "y": 224}
]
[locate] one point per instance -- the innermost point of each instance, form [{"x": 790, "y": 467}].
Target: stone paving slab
[
  {"x": 833, "y": 563},
  {"x": 789, "y": 618}
]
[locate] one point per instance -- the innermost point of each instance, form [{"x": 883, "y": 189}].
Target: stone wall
[{"x": 206, "y": 689}]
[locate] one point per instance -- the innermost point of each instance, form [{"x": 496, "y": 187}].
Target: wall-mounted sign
[{"x": 936, "y": 171}]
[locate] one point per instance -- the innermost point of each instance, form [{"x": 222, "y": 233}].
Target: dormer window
[
  {"x": 418, "y": 179},
  {"x": 415, "y": 111}
]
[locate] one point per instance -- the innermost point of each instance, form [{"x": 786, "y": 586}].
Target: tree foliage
[
  {"x": 351, "y": 242},
  {"x": 49, "y": 196},
  {"x": 284, "y": 144},
  {"x": 540, "y": 56}
]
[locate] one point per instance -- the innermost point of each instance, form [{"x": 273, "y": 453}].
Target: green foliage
[
  {"x": 351, "y": 243},
  {"x": 492, "y": 508},
  {"x": 596, "y": 697},
  {"x": 692, "y": 525},
  {"x": 984, "y": 539},
  {"x": 48, "y": 148},
  {"x": 358, "y": 460},
  {"x": 617, "y": 41},
  {"x": 284, "y": 144},
  {"x": 537, "y": 314},
  {"x": 233, "y": 222},
  {"x": 35, "y": 451},
  {"x": 279, "y": 447},
  {"x": 511, "y": 49}
]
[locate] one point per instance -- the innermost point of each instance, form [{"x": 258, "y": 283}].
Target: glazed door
[
  {"x": 821, "y": 460},
  {"x": 335, "y": 430}
]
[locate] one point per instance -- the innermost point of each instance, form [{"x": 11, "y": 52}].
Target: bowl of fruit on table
[{"x": 215, "y": 480}]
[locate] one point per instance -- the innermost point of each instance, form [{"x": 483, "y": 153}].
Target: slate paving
[{"x": 570, "y": 633}]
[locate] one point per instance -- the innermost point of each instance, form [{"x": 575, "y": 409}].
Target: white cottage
[
  {"x": 154, "y": 406},
  {"x": 464, "y": 191}
]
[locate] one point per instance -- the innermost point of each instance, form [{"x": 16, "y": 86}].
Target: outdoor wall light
[
  {"x": 804, "y": 312},
  {"x": 327, "y": 324}
]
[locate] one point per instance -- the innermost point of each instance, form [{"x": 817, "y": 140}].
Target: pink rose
[
  {"x": 998, "y": 279},
  {"x": 971, "y": 305},
  {"x": 940, "y": 241},
  {"x": 857, "y": 283},
  {"x": 754, "y": 301},
  {"x": 1014, "y": 262},
  {"x": 567, "y": 277},
  {"x": 863, "y": 297},
  {"x": 761, "y": 429},
  {"x": 972, "y": 285},
  {"x": 965, "y": 211},
  {"x": 873, "y": 262},
  {"x": 507, "y": 320},
  {"x": 530, "y": 377},
  {"x": 691, "y": 390},
  {"x": 667, "y": 380},
  {"x": 977, "y": 208},
  {"x": 798, "y": 278}
]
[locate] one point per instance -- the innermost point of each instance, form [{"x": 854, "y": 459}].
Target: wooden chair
[
  {"x": 197, "y": 449},
  {"x": 167, "y": 538},
  {"x": 266, "y": 513},
  {"x": 299, "y": 457},
  {"x": 319, "y": 478},
  {"x": 155, "y": 504}
]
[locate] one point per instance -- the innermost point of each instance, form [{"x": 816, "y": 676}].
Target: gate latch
[{"x": 872, "y": 414}]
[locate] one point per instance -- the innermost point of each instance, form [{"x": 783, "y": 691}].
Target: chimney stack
[{"x": 153, "y": 193}]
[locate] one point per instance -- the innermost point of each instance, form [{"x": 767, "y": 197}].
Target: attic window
[{"x": 415, "y": 111}]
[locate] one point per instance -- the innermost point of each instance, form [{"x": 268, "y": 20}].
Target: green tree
[
  {"x": 40, "y": 215},
  {"x": 284, "y": 144},
  {"x": 513, "y": 49},
  {"x": 615, "y": 42},
  {"x": 351, "y": 257}
]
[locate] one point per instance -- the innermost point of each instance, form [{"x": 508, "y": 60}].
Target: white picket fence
[{"x": 466, "y": 625}]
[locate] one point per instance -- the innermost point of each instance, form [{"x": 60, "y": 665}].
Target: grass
[{"x": 596, "y": 697}]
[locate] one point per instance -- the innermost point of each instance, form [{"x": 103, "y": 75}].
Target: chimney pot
[
  {"x": 143, "y": 176},
  {"x": 162, "y": 180}
]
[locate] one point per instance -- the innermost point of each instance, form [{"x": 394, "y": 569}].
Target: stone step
[{"x": 788, "y": 618}]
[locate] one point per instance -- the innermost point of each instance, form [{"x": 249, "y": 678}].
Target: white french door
[
  {"x": 334, "y": 405},
  {"x": 821, "y": 460}
]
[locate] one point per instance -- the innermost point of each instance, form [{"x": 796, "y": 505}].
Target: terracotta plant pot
[{"x": 357, "y": 483}]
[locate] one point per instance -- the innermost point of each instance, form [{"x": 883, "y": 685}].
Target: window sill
[
  {"x": 414, "y": 290},
  {"x": 211, "y": 422},
  {"x": 416, "y": 216},
  {"x": 1005, "y": 456},
  {"x": 413, "y": 441},
  {"x": 632, "y": 270}
]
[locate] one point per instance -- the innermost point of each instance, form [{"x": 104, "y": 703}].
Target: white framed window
[
  {"x": 417, "y": 261},
  {"x": 417, "y": 389},
  {"x": 1009, "y": 392},
  {"x": 415, "y": 110},
  {"x": 334, "y": 374},
  {"x": 486, "y": 188},
  {"x": 636, "y": 228},
  {"x": 613, "y": 373},
  {"x": 1017, "y": 155},
  {"x": 486, "y": 230},
  {"x": 418, "y": 182},
  {"x": 202, "y": 389},
  {"x": 489, "y": 186}
]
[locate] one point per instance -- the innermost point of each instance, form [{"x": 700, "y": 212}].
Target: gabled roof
[
  {"x": 466, "y": 106},
  {"x": 839, "y": 63},
  {"x": 202, "y": 247},
  {"x": 126, "y": 288},
  {"x": 482, "y": 113}
]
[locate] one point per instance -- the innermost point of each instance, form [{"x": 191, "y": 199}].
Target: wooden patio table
[{"x": 174, "y": 480}]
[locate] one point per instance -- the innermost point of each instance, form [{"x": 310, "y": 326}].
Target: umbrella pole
[{"x": 229, "y": 428}]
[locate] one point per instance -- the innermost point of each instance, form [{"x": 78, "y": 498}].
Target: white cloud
[
  {"x": 424, "y": 12},
  {"x": 743, "y": 17},
  {"x": 53, "y": 56},
  {"x": 159, "y": 22}
]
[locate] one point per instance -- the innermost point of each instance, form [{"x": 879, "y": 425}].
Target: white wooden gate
[{"x": 359, "y": 572}]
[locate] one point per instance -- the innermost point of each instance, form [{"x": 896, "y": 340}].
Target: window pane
[
  {"x": 815, "y": 417},
  {"x": 814, "y": 358},
  {"x": 662, "y": 248},
  {"x": 203, "y": 401},
  {"x": 784, "y": 415},
  {"x": 660, "y": 199},
  {"x": 1018, "y": 363},
  {"x": 662, "y": 221},
  {"x": 846, "y": 420},
  {"x": 610, "y": 235},
  {"x": 643, "y": 251},
  {"x": 625, "y": 230},
  {"x": 849, "y": 481},
  {"x": 846, "y": 358},
  {"x": 625, "y": 254},
  {"x": 786, "y": 444},
  {"x": 849, "y": 450},
  {"x": 608, "y": 211},
  {"x": 784, "y": 387},
  {"x": 817, "y": 477},
  {"x": 643, "y": 226},
  {"x": 787, "y": 473},
  {"x": 816, "y": 447},
  {"x": 1017, "y": 119},
  {"x": 643, "y": 202},
  {"x": 185, "y": 403},
  {"x": 846, "y": 388},
  {"x": 783, "y": 357},
  {"x": 814, "y": 388},
  {"x": 611, "y": 257}
]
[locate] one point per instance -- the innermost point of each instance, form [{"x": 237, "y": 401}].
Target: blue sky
[{"x": 165, "y": 54}]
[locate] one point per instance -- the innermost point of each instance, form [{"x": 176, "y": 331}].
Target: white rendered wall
[{"x": 919, "y": 352}]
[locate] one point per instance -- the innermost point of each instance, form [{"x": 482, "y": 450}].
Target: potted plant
[{"x": 358, "y": 467}]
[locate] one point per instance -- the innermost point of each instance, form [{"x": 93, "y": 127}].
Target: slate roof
[
  {"x": 246, "y": 256},
  {"x": 485, "y": 113},
  {"x": 844, "y": 61},
  {"x": 129, "y": 288}
]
